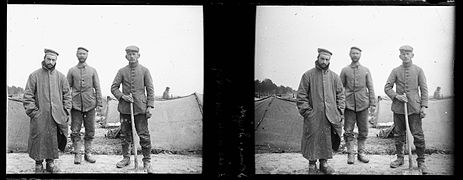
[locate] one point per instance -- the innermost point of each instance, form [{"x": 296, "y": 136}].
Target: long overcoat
[
  {"x": 47, "y": 101},
  {"x": 320, "y": 94}
]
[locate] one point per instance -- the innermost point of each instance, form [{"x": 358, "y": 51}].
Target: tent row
[
  {"x": 278, "y": 124},
  {"x": 176, "y": 124}
]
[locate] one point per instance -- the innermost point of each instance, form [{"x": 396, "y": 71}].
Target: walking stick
[
  {"x": 409, "y": 140},
  {"x": 133, "y": 134}
]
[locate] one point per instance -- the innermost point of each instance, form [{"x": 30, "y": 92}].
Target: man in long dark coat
[
  {"x": 47, "y": 101},
  {"x": 320, "y": 100}
]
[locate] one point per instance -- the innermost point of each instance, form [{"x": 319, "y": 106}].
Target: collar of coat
[
  {"x": 406, "y": 65},
  {"x": 44, "y": 66},
  {"x": 81, "y": 65},
  {"x": 133, "y": 65},
  {"x": 354, "y": 64},
  {"x": 317, "y": 65}
]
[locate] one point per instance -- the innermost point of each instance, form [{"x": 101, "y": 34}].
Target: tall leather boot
[
  {"x": 325, "y": 168},
  {"x": 350, "y": 152},
  {"x": 399, "y": 149},
  {"x": 88, "y": 148},
  {"x": 420, "y": 160},
  {"x": 126, "y": 157},
  {"x": 362, "y": 157},
  {"x": 77, "y": 152}
]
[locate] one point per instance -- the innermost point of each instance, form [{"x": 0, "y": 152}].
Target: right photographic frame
[{"x": 354, "y": 90}]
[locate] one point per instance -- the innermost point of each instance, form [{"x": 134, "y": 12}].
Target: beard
[
  {"x": 324, "y": 65},
  {"x": 82, "y": 60}
]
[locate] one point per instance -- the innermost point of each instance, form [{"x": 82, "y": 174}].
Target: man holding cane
[
  {"x": 134, "y": 78},
  {"x": 411, "y": 89}
]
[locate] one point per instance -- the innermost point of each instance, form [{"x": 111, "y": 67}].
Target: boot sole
[
  {"x": 396, "y": 166},
  {"x": 90, "y": 161},
  {"x": 122, "y": 166}
]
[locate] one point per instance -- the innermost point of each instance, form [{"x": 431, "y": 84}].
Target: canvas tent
[
  {"x": 437, "y": 125},
  {"x": 175, "y": 125},
  {"x": 17, "y": 127},
  {"x": 278, "y": 124}
]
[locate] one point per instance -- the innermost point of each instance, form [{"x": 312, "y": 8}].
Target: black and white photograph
[
  {"x": 354, "y": 90},
  {"x": 104, "y": 89}
]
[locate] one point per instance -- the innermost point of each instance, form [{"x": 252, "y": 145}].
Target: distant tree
[
  {"x": 15, "y": 90},
  {"x": 267, "y": 87}
]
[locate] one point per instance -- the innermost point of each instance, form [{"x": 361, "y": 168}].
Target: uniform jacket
[
  {"x": 47, "y": 94},
  {"x": 320, "y": 93},
  {"x": 409, "y": 79},
  {"x": 85, "y": 85},
  {"x": 134, "y": 79},
  {"x": 358, "y": 86}
]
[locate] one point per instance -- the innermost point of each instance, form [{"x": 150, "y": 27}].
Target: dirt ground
[
  {"x": 19, "y": 163},
  {"x": 439, "y": 159},
  {"x": 294, "y": 163},
  {"x": 107, "y": 152}
]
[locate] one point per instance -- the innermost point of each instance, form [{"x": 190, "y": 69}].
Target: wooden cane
[
  {"x": 409, "y": 140},
  {"x": 133, "y": 134}
]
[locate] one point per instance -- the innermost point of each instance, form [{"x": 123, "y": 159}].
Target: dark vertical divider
[{"x": 228, "y": 95}]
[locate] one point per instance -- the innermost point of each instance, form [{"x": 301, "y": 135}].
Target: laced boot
[
  {"x": 51, "y": 167},
  {"x": 89, "y": 158},
  {"x": 325, "y": 168},
  {"x": 399, "y": 150},
  {"x": 362, "y": 157},
  {"x": 38, "y": 167},
  {"x": 398, "y": 162},
  {"x": 313, "y": 167},
  {"x": 124, "y": 162},
  {"x": 125, "y": 153}
]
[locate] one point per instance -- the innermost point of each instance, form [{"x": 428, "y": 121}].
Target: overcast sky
[
  {"x": 170, "y": 39},
  {"x": 287, "y": 39}
]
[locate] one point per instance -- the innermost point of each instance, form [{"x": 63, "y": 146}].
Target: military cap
[
  {"x": 82, "y": 48},
  {"x": 321, "y": 50},
  {"x": 132, "y": 48},
  {"x": 353, "y": 47},
  {"x": 50, "y": 51},
  {"x": 406, "y": 48}
]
